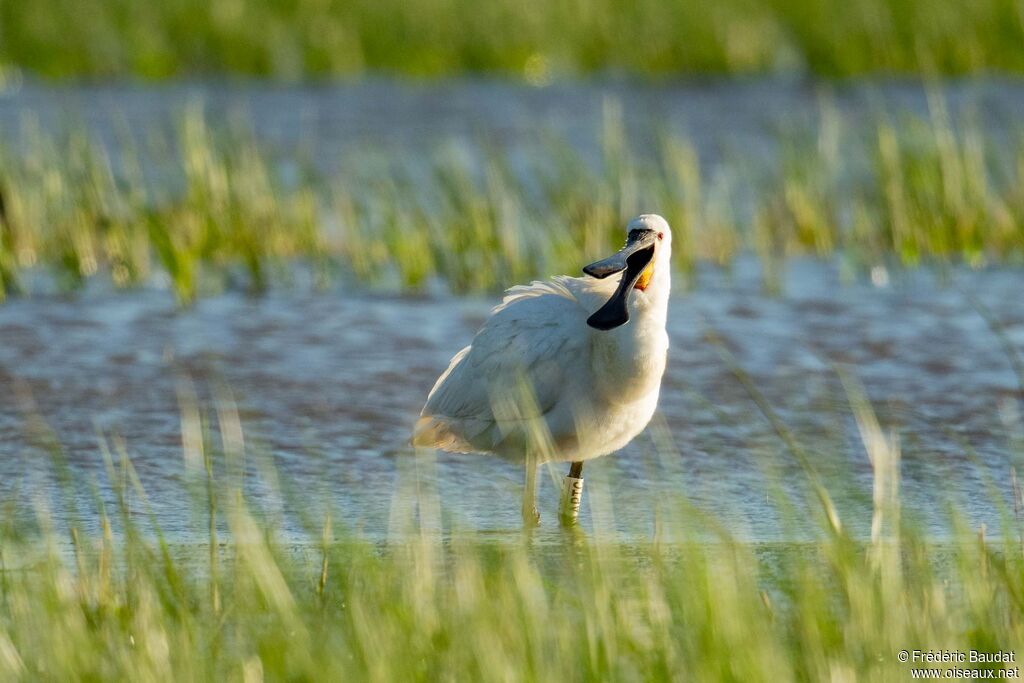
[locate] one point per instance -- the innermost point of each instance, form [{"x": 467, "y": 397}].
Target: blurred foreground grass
[
  {"x": 317, "y": 602},
  {"x": 294, "y": 39},
  {"x": 208, "y": 208}
]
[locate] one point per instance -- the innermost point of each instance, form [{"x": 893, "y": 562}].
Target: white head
[{"x": 646, "y": 258}]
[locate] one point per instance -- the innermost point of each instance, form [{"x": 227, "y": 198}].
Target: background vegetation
[
  {"x": 208, "y": 208},
  {"x": 535, "y": 40}
]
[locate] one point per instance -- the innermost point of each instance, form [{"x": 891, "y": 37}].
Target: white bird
[{"x": 566, "y": 370}]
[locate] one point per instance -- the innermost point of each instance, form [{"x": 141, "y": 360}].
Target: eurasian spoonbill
[{"x": 566, "y": 370}]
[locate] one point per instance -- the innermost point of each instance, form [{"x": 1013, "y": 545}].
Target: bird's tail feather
[{"x": 432, "y": 432}]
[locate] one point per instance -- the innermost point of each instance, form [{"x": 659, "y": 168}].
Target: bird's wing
[{"x": 533, "y": 340}]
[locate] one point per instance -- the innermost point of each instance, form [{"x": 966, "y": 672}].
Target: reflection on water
[{"x": 328, "y": 385}]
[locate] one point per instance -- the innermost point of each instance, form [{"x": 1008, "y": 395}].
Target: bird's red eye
[{"x": 661, "y": 235}]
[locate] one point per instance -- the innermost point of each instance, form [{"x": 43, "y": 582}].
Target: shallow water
[
  {"x": 738, "y": 121},
  {"x": 327, "y": 386}
]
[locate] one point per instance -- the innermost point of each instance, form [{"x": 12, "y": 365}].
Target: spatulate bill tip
[{"x": 608, "y": 320}]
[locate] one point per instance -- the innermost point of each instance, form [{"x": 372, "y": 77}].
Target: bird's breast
[{"x": 629, "y": 362}]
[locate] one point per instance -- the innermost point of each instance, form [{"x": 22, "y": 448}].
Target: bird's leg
[
  {"x": 572, "y": 494},
  {"x": 531, "y": 517}
]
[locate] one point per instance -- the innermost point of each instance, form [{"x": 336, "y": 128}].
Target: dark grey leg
[
  {"x": 572, "y": 494},
  {"x": 531, "y": 517}
]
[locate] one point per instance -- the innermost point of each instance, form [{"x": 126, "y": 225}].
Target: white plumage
[{"x": 590, "y": 390}]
